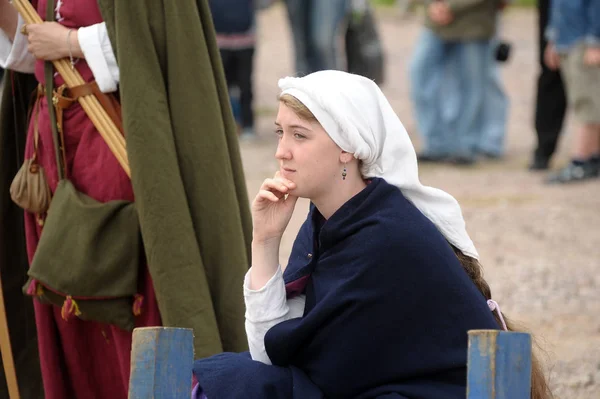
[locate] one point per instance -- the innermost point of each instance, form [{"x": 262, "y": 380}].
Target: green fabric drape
[{"x": 187, "y": 174}]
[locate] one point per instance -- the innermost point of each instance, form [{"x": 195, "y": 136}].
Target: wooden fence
[{"x": 499, "y": 364}]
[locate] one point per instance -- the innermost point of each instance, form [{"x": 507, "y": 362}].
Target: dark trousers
[
  {"x": 315, "y": 26},
  {"x": 551, "y": 101},
  {"x": 238, "y": 72}
]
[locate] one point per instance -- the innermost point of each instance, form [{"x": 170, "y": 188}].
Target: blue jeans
[
  {"x": 458, "y": 99},
  {"x": 315, "y": 26}
]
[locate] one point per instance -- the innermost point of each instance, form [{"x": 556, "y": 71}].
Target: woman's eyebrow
[{"x": 293, "y": 126}]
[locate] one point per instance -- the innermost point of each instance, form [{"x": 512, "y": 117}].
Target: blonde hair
[{"x": 299, "y": 109}]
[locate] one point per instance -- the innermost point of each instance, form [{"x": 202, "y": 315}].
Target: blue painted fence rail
[
  {"x": 161, "y": 363},
  {"x": 499, "y": 364}
]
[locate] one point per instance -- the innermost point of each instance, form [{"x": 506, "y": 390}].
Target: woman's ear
[{"x": 345, "y": 157}]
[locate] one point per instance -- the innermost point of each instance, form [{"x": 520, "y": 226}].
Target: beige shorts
[{"x": 582, "y": 84}]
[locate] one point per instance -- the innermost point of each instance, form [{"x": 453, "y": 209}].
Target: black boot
[{"x": 539, "y": 163}]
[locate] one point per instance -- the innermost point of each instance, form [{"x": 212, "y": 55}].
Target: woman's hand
[
  {"x": 51, "y": 41},
  {"x": 440, "y": 13},
  {"x": 592, "y": 56},
  {"x": 272, "y": 208},
  {"x": 551, "y": 57},
  {"x": 271, "y": 212}
]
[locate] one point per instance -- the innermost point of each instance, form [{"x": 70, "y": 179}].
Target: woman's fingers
[
  {"x": 274, "y": 185},
  {"x": 278, "y": 184},
  {"x": 267, "y": 195},
  {"x": 274, "y": 189},
  {"x": 285, "y": 181}
]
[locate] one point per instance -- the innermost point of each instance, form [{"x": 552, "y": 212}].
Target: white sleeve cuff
[
  {"x": 266, "y": 308},
  {"x": 14, "y": 55},
  {"x": 268, "y": 303},
  {"x": 99, "y": 55}
]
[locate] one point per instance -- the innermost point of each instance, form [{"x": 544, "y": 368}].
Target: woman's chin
[{"x": 297, "y": 191}]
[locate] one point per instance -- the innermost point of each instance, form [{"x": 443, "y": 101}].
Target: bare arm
[
  {"x": 265, "y": 261},
  {"x": 8, "y": 19},
  {"x": 271, "y": 213}
]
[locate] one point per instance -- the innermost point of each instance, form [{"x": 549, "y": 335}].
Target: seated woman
[{"x": 383, "y": 281}]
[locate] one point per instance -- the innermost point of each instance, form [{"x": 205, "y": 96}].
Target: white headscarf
[{"x": 359, "y": 119}]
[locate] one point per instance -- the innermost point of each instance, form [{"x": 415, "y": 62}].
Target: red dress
[{"x": 82, "y": 359}]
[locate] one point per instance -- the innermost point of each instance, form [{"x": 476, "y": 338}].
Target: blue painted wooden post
[
  {"x": 161, "y": 363},
  {"x": 499, "y": 365}
]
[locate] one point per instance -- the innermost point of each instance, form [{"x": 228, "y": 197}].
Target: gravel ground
[{"x": 540, "y": 245}]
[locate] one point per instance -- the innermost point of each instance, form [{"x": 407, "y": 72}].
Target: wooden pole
[
  {"x": 90, "y": 104},
  {"x": 6, "y": 349},
  {"x": 161, "y": 363},
  {"x": 499, "y": 365}
]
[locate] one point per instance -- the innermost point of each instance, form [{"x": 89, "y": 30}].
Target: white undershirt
[
  {"x": 94, "y": 43},
  {"x": 265, "y": 308}
]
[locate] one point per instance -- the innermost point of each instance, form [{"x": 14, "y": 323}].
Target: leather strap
[
  {"x": 59, "y": 121},
  {"x": 111, "y": 105},
  {"x": 39, "y": 94},
  {"x": 49, "y": 79},
  {"x": 60, "y": 104},
  {"x": 65, "y": 97}
]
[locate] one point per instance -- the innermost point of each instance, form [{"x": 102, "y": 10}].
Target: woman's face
[{"x": 307, "y": 155}]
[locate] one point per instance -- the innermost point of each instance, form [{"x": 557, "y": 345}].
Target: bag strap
[
  {"x": 36, "y": 114},
  {"x": 49, "y": 78}
]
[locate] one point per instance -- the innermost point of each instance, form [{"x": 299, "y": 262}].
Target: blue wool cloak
[{"x": 388, "y": 307}]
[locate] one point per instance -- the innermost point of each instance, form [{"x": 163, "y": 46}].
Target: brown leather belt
[{"x": 64, "y": 97}]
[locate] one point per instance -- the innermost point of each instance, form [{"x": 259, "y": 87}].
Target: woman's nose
[{"x": 283, "y": 152}]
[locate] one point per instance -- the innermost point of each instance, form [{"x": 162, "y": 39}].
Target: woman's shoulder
[
  {"x": 393, "y": 217},
  {"x": 392, "y": 229}
]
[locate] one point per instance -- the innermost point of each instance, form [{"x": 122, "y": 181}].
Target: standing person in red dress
[{"x": 187, "y": 179}]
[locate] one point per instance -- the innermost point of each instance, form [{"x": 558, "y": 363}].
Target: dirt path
[{"x": 540, "y": 245}]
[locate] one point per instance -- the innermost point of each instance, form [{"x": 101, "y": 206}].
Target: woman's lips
[{"x": 287, "y": 172}]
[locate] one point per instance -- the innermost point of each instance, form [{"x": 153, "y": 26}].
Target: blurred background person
[
  {"x": 550, "y": 102},
  {"x": 491, "y": 144},
  {"x": 316, "y": 27},
  {"x": 363, "y": 46},
  {"x": 234, "y": 22},
  {"x": 458, "y": 35},
  {"x": 574, "y": 46}
]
